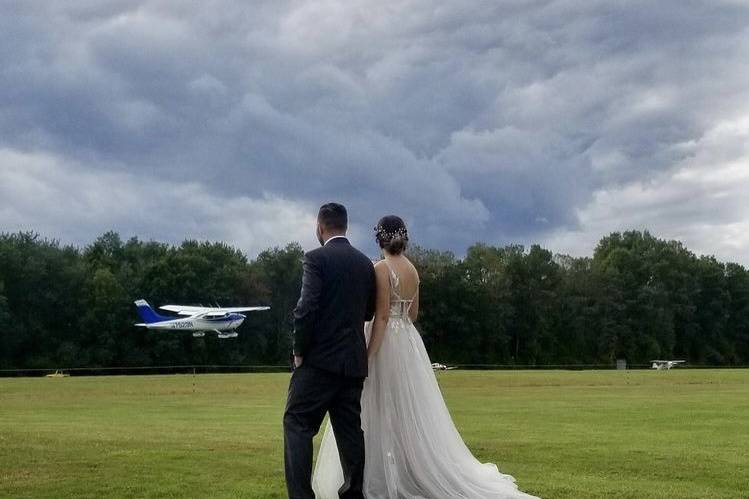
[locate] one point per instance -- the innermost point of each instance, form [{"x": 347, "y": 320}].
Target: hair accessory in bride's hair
[
  {"x": 385, "y": 235},
  {"x": 391, "y": 234}
]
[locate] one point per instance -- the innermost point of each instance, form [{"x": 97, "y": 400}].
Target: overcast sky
[{"x": 551, "y": 122}]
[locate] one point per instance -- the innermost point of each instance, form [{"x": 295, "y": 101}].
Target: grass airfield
[{"x": 563, "y": 434}]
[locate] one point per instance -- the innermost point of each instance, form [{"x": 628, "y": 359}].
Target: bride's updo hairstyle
[{"x": 391, "y": 234}]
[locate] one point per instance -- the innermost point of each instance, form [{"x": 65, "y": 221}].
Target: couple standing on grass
[{"x": 391, "y": 436}]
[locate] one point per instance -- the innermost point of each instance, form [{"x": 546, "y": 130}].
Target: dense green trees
[{"x": 637, "y": 298}]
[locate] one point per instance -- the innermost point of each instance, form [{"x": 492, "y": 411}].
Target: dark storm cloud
[{"x": 496, "y": 121}]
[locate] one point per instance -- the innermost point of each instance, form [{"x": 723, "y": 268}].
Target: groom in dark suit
[{"x": 330, "y": 356}]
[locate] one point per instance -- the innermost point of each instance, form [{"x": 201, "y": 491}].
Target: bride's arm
[
  {"x": 382, "y": 309},
  {"x": 413, "y": 312}
]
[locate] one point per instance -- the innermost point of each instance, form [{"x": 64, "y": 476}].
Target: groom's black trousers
[{"x": 312, "y": 393}]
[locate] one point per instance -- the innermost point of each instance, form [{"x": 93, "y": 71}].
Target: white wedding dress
[{"x": 412, "y": 448}]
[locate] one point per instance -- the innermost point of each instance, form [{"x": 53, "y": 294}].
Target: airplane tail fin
[{"x": 147, "y": 313}]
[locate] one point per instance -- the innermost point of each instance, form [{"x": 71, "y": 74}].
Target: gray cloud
[
  {"x": 496, "y": 121},
  {"x": 72, "y": 203}
]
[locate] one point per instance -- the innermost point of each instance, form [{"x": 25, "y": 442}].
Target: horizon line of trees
[{"x": 637, "y": 298}]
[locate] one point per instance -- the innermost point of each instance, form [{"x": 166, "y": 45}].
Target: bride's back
[
  {"x": 399, "y": 274},
  {"x": 407, "y": 276}
]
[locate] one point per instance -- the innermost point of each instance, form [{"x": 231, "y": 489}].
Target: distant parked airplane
[
  {"x": 442, "y": 367},
  {"x": 224, "y": 321},
  {"x": 665, "y": 364}
]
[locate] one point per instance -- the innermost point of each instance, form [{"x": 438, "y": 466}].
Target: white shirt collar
[{"x": 331, "y": 238}]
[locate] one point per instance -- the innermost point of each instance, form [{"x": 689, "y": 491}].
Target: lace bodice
[{"x": 399, "y": 307}]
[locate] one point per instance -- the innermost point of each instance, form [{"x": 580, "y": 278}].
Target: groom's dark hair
[{"x": 333, "y": 216}]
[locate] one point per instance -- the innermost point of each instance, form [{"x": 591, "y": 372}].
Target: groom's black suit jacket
[{"x": 338, "y": 296}]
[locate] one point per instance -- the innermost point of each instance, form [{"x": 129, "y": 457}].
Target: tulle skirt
[{"x": 412, "y": 448}]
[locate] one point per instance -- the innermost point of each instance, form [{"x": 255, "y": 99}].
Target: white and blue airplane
[{"x": 223, "y": 321}]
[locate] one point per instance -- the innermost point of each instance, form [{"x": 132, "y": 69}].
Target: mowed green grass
[{"x": 562, "y": 434}]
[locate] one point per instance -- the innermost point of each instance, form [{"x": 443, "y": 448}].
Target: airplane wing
[
  {"x": 232, "y": 310},
  {"x": 190, "y": 310},
  {"x": 185, "y": 309}
]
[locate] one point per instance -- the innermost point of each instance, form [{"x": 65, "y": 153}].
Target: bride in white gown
[{"x": 412, "y": 448}]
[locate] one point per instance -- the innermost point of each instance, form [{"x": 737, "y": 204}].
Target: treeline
[{"x": 637, "y": 298}]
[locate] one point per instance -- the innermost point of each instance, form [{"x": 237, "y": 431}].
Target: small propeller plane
[
  {"x": 224, "y": 321},
  {"x": 442, "y": 367},
  {"x": 665, "y": 364}
]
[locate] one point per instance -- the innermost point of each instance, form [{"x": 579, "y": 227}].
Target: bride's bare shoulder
[
  {"x": 381, "y": 267},
  {"x": 411, "y": 265}
]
